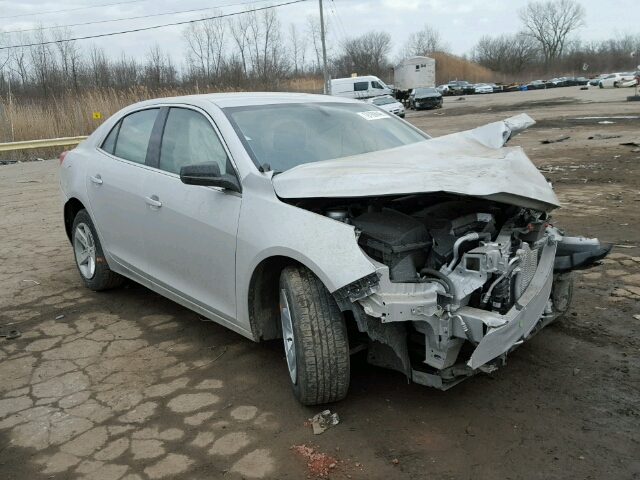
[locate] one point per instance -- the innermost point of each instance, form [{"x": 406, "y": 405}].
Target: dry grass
[{"x": 451, "y": 67}]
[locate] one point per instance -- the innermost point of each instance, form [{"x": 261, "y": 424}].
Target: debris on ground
[
  {"x": 395, "y": 461},
  {"x": 59, "y": 317},
  {"x": 318, "y": 464},
  {"x": 637, "y": 317},
  {"x": 11, "y": 334},
  {"x": 323, "y": 421},
  {"x": 556, "y": 140},
  {"x": 606, "y": 122},
  {"x": 459, "y": 98},
  {"x": 598, "y": 136},
  {"x": 37, "y": 283},
  {"x": 633, "y": 143}
]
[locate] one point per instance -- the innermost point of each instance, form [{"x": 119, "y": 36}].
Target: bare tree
[
  {"x": 551, "y": 23},
  {"x": 424, "y": 42},
  {"x": 206, "y": 41},
  {"x": 99, "y": 66},
  {"x": 366, "y": 54},
  {"x": 509, "y": 54},
  {"x": 239, "y": 26},
  {"x": 299, "y": 46},
  {"x": 42, "y": 61},
  {"x": 314, "y": 33}
]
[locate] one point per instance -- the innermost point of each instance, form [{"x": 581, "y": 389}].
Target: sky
[{"x": 460, "y": 22}]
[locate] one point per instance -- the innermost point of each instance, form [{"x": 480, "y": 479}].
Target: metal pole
[
  {"x": 324, "y": 52},
  {"x": 79, "y": 118},
  {"x": 4, "y": 123}
]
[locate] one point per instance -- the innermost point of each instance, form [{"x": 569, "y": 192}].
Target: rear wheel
[
  {"x": 92, "y": 265},
  {"x": 315, "y": 338},
  {"x": 600, "y": 85},
  {"x": 616, "y": 84}
]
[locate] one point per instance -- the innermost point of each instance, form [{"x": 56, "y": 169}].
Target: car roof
[{"x": 242, "y": 99}]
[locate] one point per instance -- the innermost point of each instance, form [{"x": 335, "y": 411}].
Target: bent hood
[{"x": 473, "y": 163}]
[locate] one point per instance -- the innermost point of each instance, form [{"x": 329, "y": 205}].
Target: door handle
[
  {"x": 97, "y": 180},
  {"x": 153, "y": 201}
]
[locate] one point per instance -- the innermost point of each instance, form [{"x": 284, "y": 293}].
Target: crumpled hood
[{"x": 472, "y": 163}]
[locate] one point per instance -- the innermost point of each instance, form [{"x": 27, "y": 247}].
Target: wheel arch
[
  {"x": 71, "y": 209},
  {"x": 263, "y": 298}
]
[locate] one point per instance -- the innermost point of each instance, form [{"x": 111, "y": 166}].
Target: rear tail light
[{"x": 62, "y": 155}]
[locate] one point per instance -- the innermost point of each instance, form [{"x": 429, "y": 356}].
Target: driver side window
[{"x": 188, "y": 138}]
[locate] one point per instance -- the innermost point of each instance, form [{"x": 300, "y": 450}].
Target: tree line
[{"x": 253, "y": 51}]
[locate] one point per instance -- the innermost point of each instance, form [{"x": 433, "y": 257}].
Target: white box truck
[
  {"x": 359, "y": 87},
  {"x": 412, "y": 73}
]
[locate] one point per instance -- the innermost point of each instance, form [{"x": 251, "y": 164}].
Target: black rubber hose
[{"x": 443, "y": 277}]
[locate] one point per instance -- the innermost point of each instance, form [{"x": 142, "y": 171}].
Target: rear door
[
  {"x": 190, "y": 230},
  {"x": 115, "y": 176}
]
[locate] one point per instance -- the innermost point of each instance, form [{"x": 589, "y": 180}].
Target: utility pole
[{"x": 324, "y": 52}]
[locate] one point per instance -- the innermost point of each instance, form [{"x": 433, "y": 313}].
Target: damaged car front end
[{"x": 468, "y": 261}]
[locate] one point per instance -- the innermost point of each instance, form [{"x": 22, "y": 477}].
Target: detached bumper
[
  {"x": 520, "y": 321},
  {"x": 503, "y": 332}
]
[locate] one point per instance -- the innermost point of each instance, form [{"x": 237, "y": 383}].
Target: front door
[{"x": 190, "y": 231}]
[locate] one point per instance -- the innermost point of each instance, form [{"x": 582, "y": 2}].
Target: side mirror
[{"x": 208, "y": 175}]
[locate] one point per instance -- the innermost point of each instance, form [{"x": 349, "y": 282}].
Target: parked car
[
  {"x": 616, "y": 80},
  {"x": 595, "y": 81},
  {"x": 425, "y": 97},
  {"x": 443, "y": 89},
  {"x": 558, "y": 82},
  {"x": 483, "y": 88},
  {"x": 569, "y": 81},
  {"x": 496, "y": 88},
  {"x": 537, "y": 85},
  {"x": 329, "y": 224},
  {"x": 388, "y": 104},
  {"x": 460, "y": 87},
  {"x": 582, "y": 81}
]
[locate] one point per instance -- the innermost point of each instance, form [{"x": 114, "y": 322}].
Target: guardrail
[{"x": 51, "y": 142}]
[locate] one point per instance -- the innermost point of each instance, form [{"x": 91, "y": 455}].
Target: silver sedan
[{"x": 330, "y": 224}]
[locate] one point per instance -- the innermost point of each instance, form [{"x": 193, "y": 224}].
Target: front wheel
[
  {"x": 92, "y": 265},
  {"x": 315, "y": 338},
  {"x": 600, "y": 85}
]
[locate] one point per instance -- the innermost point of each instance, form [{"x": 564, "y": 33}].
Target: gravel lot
[{"x": 125, "y": 384}]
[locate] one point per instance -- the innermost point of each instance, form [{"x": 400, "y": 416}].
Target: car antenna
[{"x": 265, "y": 167}]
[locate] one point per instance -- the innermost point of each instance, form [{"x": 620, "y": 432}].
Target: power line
[
  {"x": 153, "y": 27},
  {"x": 132, "y": 18},
  {"x": 73, "y": 9},
  {"x": 334, "y": 10}
]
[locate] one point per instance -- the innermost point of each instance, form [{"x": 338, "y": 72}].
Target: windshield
[
  {"x": 288, "y": 135},
  {"x": 425, "y": 91},
  {"x": 383, "y": 101}
]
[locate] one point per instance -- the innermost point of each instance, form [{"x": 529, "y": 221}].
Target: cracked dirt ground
[{"x": 129, "y": 385}]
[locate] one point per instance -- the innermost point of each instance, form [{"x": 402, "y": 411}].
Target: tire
[
  {"x": 616, "y": 85},
  {"x": 600, "y": 85},
  {"x": 319, "y": 362},
  {"x": 94, "y": 272}
]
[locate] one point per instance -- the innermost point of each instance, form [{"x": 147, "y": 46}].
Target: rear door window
[
  {"x": 109, "y": 143},
  {"x": 133, "y": 138},
  {"x": 360, "y": 86}
]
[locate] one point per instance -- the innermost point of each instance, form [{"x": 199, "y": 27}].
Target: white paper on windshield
[{"x": 373, "y": 115}]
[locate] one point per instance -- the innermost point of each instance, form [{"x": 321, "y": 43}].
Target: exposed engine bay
[{"x": 459, "y": 281}]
